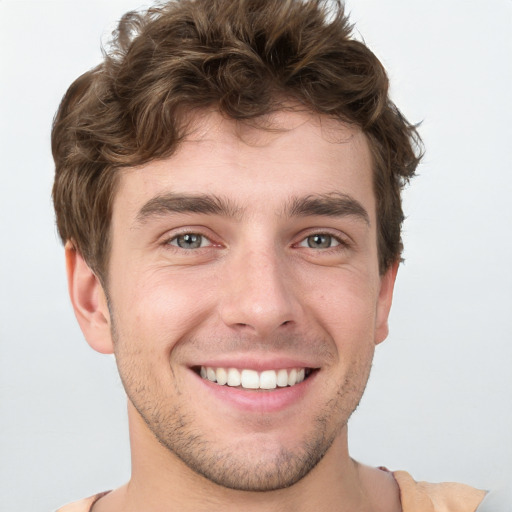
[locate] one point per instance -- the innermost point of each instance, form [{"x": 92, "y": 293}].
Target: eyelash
[
  {"x": 175, "y": 238},
  {"x": 340, "y": 243}
]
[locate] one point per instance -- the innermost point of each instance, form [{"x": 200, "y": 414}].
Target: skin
[{"x": 258, "y": 292}]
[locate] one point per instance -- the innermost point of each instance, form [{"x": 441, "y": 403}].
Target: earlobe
[
  {"x": 89, "y": 301},
  {"x": 384, "y": 301}
]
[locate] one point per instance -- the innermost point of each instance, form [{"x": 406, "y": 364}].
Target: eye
[
  {"x": 320, "y": 241},
  {"x": 189, "y": 241}
]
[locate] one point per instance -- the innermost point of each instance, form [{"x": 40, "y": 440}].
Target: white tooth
[
  {"x": 292, "y": 377},
  {"x": 222, "y": 376},
  {"x": 282, "y": 378},
  {"x": 210, "y": 374},
  {"x": 300, "y": 375},
  {"x": 233, "y": 377},
  {"x": 250, "y": 379},
  {"x": 268, "y": 379},
  {"x": 203, "y": 372}
]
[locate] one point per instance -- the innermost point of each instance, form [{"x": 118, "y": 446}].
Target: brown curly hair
[{"x": 246, "y": 58}]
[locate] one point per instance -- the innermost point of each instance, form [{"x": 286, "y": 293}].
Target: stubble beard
[
  {"x": 236, "y": 469},
  {"x": 233, "y": 468},
  {"x": 178, "y": 432}
]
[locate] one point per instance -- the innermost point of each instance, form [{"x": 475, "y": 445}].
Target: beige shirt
[
  {"x": 415, "y": 497},
  {"x": 444, "y": 497}
]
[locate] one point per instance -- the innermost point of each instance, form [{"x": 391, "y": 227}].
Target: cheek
[
  {"x": 160, "y": 307},
  {"x": 346, "y": 307}
]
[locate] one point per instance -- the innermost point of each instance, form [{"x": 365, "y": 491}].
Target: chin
[{"x": 260, "y": 470}]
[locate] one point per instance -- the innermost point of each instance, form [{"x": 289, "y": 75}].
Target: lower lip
[{"x": 259, "y": 401}]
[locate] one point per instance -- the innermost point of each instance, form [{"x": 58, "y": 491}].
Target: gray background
[{"x": 439, "y": 402}]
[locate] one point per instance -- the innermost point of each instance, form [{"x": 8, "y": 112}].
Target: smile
[{"x": 252, "y": 379}]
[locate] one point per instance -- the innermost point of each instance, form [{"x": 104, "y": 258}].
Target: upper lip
[{"x": 254, "y": 362}]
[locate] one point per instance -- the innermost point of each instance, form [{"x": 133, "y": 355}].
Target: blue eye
[
  {"x": 320, "y": 241},
  {"x": 189, "y": 241}
]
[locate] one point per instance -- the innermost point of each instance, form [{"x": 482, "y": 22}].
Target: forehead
[{"x": 290, "y": 154}]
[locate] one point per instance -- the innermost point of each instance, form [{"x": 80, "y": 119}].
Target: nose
[{"x": 260, "y": 294}]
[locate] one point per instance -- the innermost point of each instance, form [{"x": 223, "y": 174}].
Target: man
[{"x": 228, "y": 189}]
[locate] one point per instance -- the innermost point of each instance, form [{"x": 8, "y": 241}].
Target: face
[{"x": 245, "y": 297}]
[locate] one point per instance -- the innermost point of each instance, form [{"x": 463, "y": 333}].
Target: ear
[
  {"x": 89, "y": 301},
  {"x": 387, "y": 284}
]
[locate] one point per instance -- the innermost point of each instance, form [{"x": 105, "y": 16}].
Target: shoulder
[
  {"x": 442, "y": 497},
  {"x": 82, "y": 505}
]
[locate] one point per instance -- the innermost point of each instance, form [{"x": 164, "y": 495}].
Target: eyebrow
[
  {"x": 326, "y": 205},
  {"x": 334, "y": 204},
  {"x": 184, "y": 203}
]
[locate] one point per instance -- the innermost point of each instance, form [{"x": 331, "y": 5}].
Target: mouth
[{"x": 253, "y": 380}]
